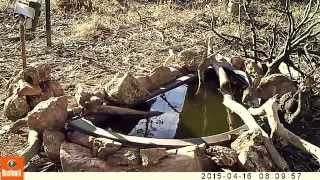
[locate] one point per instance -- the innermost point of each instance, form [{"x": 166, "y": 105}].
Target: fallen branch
[
  {"x": 225, "y": 87},
  {"x": 121, "y": 111},
  {"x": 247, "y": 118},
  {"x": 33, "y": 147},
  {"x": 277, "y": 128}
]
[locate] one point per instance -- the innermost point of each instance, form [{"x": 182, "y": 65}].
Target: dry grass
[
  {"x": 4, "y": 4},
  {"x": 92, "y": 26}
]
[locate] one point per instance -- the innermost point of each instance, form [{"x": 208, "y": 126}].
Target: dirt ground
[{"x": 91, "y": 47}]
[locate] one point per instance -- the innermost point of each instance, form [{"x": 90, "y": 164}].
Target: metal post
[
  {"x": 48, "y": 23},
  {"x": 23, "y": 41}
]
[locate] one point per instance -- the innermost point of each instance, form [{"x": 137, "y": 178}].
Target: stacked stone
[
  {"x": 125, "y": 89},
  {"x": 36, "y": 97},
  {"x": 28, "y": 89}
]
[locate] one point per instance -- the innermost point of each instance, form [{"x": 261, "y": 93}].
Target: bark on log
[
  {"x": 247, "y": 118},
  {"x": 33, "y": 147}
]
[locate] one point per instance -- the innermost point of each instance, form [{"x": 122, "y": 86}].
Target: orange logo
[{"x": 11, "y": 168}]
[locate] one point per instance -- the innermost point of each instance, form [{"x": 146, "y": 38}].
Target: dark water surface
[{"x": 186, "y": 115}]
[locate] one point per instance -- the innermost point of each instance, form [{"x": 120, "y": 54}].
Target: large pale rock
[
  {"x": 238, "y": 63},
  {"x": 37, "y": 73},
  {"x": 50, "y": 114},
  {"x": 12, "y": 84},
  {"x": 223, "y": 156},
  {"x": 16, "y": 107},
  {"x": 162, "y": 75},
  {"x": 152, "y": 156},
  {"x": 126, "y": 90},
  {"x": 253, "y": 155},
  {"x": 54, "y": 87},
  {"x": 26, "y": 89},
  {"x": 103, "y": 147},
  {"x": 192, "y": 57},
  {"x": 85, "y": 92},
  {"x": 275, "y": 84},
  {"x": 49, "y": 89},
  {"x": 146, "y": 82},
  {"x": 267, "y": 87},
  {"x": 76, "y": 158},
  {"x": 52, "y": 141},
  {"x": 125, "y": 157},
  {"x": 80, "y": 138}
]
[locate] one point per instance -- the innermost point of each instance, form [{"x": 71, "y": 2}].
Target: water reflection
[
  {"x": 165, "y": 125},
  {"x": 186, "y": 115}
]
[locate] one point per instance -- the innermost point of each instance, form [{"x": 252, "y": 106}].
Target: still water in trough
[{"x": 187, "y": 114}]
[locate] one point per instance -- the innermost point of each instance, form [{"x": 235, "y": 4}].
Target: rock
[
  {"x": 74, "y": 111},
  {"x": 52, "y": 141},
  {"x": 35, "y": 100},
  {"x": 16, "y": 107},
  {"x": 85, "y": 92},
  {"x": 54, "y": 87},
  {"x": 267, "y": 87},
  {"x": 146, "y": 82},
  {"x": 125, "y": 157},
  {"x": 37, "y": 73},
  {"x": 126, "y": 90},
  {"x": 12, "y": 84},
  {"x": 152, "y": 156},
  {"x": 162, "y": 75},
  {"x": 253, "y": 155},
  {"x": 94, "y": 103},
  {"x": 175, "y": 163},
  {"x": 49, "y": 89},
  {"x": 80, "y": 138},
  {"x": 49, "y": 115},
  {"x": 191, "y": 57},
  {"x": 76, "y": 158},
  {"x": 238, "y": 63},
  {"x": 223, "y": 156},
  {"x": 254, "y": 69},
  {"x": 199, "y": 159},
  {"x": 26, "y": 89},
  {"x": 275, "y": 84},
  {"x": 103, "y": 147}
]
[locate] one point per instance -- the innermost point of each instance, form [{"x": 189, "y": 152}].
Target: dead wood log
[
  {"x": 247, "y": 118},
  {"x": 121, "y": 111},
  {"x": 33, "y": 147},
  {"x": 225, "y": 86},
  {"x": 270, "y": 108}
]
